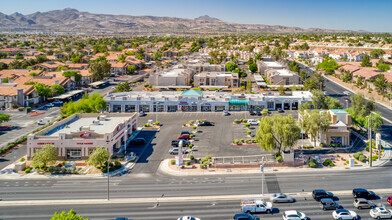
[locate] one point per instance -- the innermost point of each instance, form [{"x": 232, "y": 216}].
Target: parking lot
[{"x": 215, "y": 141}]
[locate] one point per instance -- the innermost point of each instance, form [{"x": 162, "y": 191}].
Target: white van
[{"x": 253, "y": 122}]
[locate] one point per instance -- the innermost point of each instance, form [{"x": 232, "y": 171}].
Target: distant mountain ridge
[{"x": 72, "y": 20}]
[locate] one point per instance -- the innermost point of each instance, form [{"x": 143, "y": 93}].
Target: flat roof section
[
  {"x": 68, "y": 94},
  {"x": 106, "y": 126},
  {"x": 284, "y": 72},
  {"x": 273, "y": 64}
]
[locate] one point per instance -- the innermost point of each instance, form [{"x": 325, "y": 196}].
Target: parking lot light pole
[{"x": 262, "y": 176}]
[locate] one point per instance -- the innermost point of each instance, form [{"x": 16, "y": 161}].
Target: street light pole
[
  {"x": 108, "y": 167},
  {"x": 262, "y": 176},
  {"x": 370, "y": 139}
]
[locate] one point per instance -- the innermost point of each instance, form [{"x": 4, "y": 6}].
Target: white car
[
  {"x": 188, "y": 218},
  {"x": 253, "y": 122},
  {"x": 293, "y": 215},
  {"x": 380, "y": 213},
  {"x": 342, "y": 214},
  {"x": 280, "y": 197},
  {"x": 346, "y": 93}
]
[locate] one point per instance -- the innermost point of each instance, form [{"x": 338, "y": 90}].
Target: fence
[{"x": 255, "y": 159}]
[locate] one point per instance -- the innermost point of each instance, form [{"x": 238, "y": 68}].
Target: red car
[
  {"x": 389, "y": 200},
  {"x": 184, "y": 137}
]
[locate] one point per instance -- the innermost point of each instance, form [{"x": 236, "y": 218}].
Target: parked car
[
  {"x": 380, "y": 213},
  {"x": 185, "y": 143},
  {"x": 205, "y": 123},
  {"x": 361, "y": 203},
  {"x": 328, "y": 204},
  {"x": 226, "y": 113},
  {"x": 49, "y": 105},
  {"x": 389, "y": 200},
  {"x": 280, "y": 198},
  {"x": 185, "y": 132},
  {"x": 175, "y": 150},
  {"x": 44, "y": 107},
  {"x": 293, "y": 215},
  {"x": 138, "y": 141},
  {"x": 319, "y": 194},
  {"x": 184, "y": 137},
  {"x": 255, "y": 206},
  {"x": 258, "y": 113},
  {"x": 253, "y": 121},
  {"x": 251, "y": 112},
  {"x": 346, "y": 93},
  {"x": 363, "y": 193},
  {"x": 188, "y": 218},
  {"x": 343, "y": 214},
  {"x": 280, "y": 110},
  {"x": 57, "y": 103},
  {"x": 245, "y": 216}
]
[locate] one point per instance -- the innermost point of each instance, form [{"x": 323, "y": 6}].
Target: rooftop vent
[
  {"x": 96, "y": 122},
  {"x": 102, "y": 117},
  {"x": 84, "y": 128}
]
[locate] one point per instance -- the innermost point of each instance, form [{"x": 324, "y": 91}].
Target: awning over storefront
[{"x": 238, "y": 102}]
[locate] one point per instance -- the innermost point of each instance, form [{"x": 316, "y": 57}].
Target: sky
[{"x": 369, "y": 15}]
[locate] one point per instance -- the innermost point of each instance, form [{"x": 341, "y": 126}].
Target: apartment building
[
  {"x": 172, "y": 77},
  {"x": 216, "y": 80}
]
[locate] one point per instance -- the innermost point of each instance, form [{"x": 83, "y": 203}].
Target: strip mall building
[{"x": 78, "y": 135}]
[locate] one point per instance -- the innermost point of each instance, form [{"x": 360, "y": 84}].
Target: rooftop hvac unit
[
  {"x": 102, "y": 117},
  {"x": 84, "y": 128},
  {"x": 96, "y": 122}
]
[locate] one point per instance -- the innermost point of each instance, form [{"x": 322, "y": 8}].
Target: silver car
[{"x": 281, "y": 198}]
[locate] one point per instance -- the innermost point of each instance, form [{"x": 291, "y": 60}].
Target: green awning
[{"x": 238, "y": 102}]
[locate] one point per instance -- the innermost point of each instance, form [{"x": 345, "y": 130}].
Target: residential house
[
  {"x": 118, "y": 68},
  {"x": 12, "y": 51},
  {"x": 49, "y": 66},
  {"x": 282, "y": 76},
  {"x": 170, "y": 53}
]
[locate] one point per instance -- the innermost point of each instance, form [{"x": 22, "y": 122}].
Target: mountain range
[{"x": 73, "y": 21}]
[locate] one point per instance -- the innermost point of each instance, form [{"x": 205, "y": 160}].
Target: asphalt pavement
[{"x": 204, "y": 210}]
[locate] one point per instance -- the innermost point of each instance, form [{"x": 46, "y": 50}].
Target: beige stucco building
[
  {"x": 78, "y": 135},
  {"x": 216, "y": 79}
]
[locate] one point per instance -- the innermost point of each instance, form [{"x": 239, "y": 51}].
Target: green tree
[
  {"x": 249, "y": 86},
  {"x": 303, "y": 75},
  {"x": 19, "y": 56},
  {"x": 88, "y": 104},
  {"x": 316, "y": 124},
  {"x": 3, "y": 66},
  {"x": 366, "y": 61},
  {"x": 328, "y": 65},
  {"x": 61, "y": 68},
  {"x": 347, "y": 76},
  {"x": 56, "y": 90},
  {"x": 383, "y": 67},
  {"x": 381, "y": 84},
  {"x": 361, "y": 107},
  {"x": 71, "y": 215},
  {"x": 46, "y": 155},
  {"x": 42, "y": 90},
  {"x": 98, "y": 157},
  {"x": 75, "y": 74},
  {"x": 277, "y": 132},
  {"x": 33, "y": 74},
  {"x": 122, "y": 58},
  {"x": 100, "y": 70},
  {"x": 122, "y": 87},
  {"x": 281, "y": 89},
  {"x": 332, "y": 103},
  {"x": 4, "y": 117},
  {"x": 250, "y": 61},
  {"x": 318, "y": 99},
  {"x": 230, "y": 66},
  {"x": 131, "y": 69},
  {"x": 253, "y": 67},
  {"x": 294, "y": 66},
  {"x": 376, "y": 123},
  {"x": 376, "y": 53}
]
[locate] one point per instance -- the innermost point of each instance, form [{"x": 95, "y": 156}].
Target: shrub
[
  {"x": 247, "y": 125},
  {"x": 172, "y": 162},
  {"x": 208, "y": 157},
  {"x": 191, "y": 122},
  {"x": 194, "y": 126},
  {"x": 242, "y": 140},
  {"x": 191, "y": 136},
  {"x": 328, "y": 162},
  {"x": 191, "y": 157},
  {"x": 313, "y": 163},
  {"x": 253, "y": 140},
  {"x": 187, "y": 163},
  {"x": 375, "y": 157},
  {"x": 236, "y": 141},
  {"x": 249, "y": 132},
  {"x": 244, "y": 120},
  {"x": 193, "y": 166},
  {"x": 237, "y": 121},
  {"x": 190, "y": 146},
  {"x": 323, "y": 145},
  {"x": 64, "y": 162},
  {"x": 27, "y": 170},
  {"x": 362, "y": 158},
  {"x": 117, "y": 165},
  {"x": 279, "y": 159},
  {"x": 248, "y": 141},
  {"x": 355, "y": 162},
  {"x": 157, "y": 123},
  {"x": 22, "y": 159},
  {"x": 357, "y": 155}
]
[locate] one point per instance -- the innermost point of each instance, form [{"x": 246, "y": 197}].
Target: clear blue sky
[{"x": 370, "y": 15}]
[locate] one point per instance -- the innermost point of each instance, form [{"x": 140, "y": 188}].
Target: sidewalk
[{"x": 165, "y": 168}]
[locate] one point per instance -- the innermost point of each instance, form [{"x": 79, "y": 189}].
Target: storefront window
[
  {"x": 144, "y": 108},
  {"x": 336, "y": 141},
  {"x": 117, "y": 108},
  {"x": 74, "y": 154},
  {"x": 172, "y": 108},
  {"x": 130, "y": 108},
  {"x": 219, "y": 108},
  {"x": 270, "y": 105},
  {"x": 206, "y": 108}
]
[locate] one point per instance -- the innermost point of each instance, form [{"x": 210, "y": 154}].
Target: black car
[
  {"x": 363, "y": 193},
  {"x": 319, "y": 194},
  {"x": 258, "y": 113},
  {"x": 252, "y": 112},
  {"x": 280, "y": 110},
  {"x": 245, "y": 216},
  {"x": 206, "y": 123},
  {"x": 138, "y": 141}
]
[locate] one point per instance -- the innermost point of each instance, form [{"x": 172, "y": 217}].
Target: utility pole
[{"x": 370, "y": 139}]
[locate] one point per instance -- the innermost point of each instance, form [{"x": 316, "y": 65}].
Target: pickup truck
[{"x": 255, "y": 206}]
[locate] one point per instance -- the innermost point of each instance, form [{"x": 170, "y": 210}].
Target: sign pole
[{"x": 262, "y": 177}]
